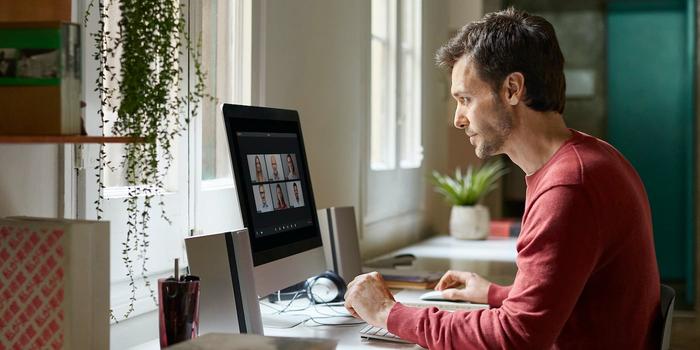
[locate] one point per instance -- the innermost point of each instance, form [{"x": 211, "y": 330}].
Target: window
[
  {"x": 395, "y": 85},
  {"x": 200, "y": 195},
  {"x": 225, "y": 54},
  {"x": 225, "y": 29}
]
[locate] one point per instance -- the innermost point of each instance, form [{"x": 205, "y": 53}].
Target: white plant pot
[{"x": 469, "y": 222}]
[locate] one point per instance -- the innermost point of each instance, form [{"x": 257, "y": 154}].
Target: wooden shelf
[{"x": 67, "y": 139}]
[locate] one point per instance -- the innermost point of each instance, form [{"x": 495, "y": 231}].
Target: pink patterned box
[{"x": 54, "y": 284}]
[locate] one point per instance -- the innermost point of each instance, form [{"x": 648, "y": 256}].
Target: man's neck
[{"x": 535, "y": 137}]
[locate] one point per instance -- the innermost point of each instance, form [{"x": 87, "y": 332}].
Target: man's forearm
[{"x": 497, "y": 294}]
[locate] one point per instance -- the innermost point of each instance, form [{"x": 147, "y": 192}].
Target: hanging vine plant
[{"x": 147, "y": 102}]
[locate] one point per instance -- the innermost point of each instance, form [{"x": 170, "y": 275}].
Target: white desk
[
  {"x": 493, "y": 259},
  {"x": 348, "y": 336}
]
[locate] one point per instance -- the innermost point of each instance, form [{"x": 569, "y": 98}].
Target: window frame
[{"x": 403, "y": 113}]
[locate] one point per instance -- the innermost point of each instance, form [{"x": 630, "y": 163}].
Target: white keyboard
[
  {"x": 372, "y": 332},
  {"x": 447, "y": 305}
]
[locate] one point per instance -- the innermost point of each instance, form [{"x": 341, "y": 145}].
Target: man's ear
[{"x": 514, "y": 88}]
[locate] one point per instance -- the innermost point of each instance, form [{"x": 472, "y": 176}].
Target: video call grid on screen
[
  {"x": 271, "y": 188},
  {"x": 275, "y": 182}
]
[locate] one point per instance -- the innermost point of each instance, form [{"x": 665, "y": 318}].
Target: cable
[
  {"x": 263, "y": 303},
  {"x": 289, "y": 327},
  {"x": 314, "y": 319},
  {"x": 286, "y": 308},
  {"x": 339, "y": 314}
]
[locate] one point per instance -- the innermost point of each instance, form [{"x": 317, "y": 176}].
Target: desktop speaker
[
  {"x": 224, "y": 263},
  {"x": 340, "y": 243}
]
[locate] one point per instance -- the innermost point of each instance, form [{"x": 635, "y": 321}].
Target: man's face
[
  {"x": 261, "y": 190},
  {"x": 480, "y": 113},
  {"x": 273, "y": 162},
  {"x": 296, "y": 192}
]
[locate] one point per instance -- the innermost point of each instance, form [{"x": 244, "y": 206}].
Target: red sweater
[{"x": 587, "y": 275}]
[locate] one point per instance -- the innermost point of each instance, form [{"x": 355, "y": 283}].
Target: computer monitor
[{"x": 275, "y": 195}]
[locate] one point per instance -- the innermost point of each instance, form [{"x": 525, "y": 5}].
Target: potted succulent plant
[{"x": 468, "y": 218}]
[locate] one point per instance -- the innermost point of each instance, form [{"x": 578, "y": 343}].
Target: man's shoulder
[
  {"x": 565, "y": 169},
  {"x": 581, "y": 162}
]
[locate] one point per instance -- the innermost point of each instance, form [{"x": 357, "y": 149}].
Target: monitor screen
[
  {"x": 272, "y": 181},
  {"x": 275, "y": 189}
]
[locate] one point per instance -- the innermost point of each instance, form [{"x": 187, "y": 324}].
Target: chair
[{"x": 668, "y": 297}]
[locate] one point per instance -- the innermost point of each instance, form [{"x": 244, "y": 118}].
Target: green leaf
[{"x": 470, "y": 187}]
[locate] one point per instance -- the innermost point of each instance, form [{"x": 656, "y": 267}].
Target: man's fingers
[
  {"x": 351, "y": 310},
  {"x": 348, "y": 306},
  {"x": 455, "y": 294},
  {"x": 442, "y": 283},
  {"x": 449, "y": 293},
  {"x": 353, "y": 313},
  {"x": 448, "y": 280}
]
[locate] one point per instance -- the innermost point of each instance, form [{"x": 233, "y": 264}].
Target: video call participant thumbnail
[
  {"x": 281, "y": 199},
  {"x": 296, "y": 199},
  {"x": 256, "y": 166},
  {"x": 274, "y": 167},
  {"x": 290, "y": 170},
  {"x": 263, "y": 200}
]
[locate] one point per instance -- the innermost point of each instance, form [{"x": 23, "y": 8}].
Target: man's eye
[{"x": 465, "y": 100}]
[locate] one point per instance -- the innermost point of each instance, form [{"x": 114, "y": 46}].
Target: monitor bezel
[{"x": 263, "y": 119}]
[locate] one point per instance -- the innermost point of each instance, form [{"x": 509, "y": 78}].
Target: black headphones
[{"x": 327, "y": 287}]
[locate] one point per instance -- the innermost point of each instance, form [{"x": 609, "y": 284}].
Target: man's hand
[
  {"x": 369, "y": 298},
  {"x": 476, "y": 288}
]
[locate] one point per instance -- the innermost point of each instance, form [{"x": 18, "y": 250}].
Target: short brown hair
[{"x": 513, "y": 41}]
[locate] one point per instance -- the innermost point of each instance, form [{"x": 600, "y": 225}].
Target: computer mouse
[
  {"x": 433, "y": 295},
  {"x": 403, "y": 260},
  {"x": 405, "y": 256}
]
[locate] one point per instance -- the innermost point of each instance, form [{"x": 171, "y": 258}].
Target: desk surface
[
  {"x": 493, "y": 259},
  {"x": 348, "y": 336}
]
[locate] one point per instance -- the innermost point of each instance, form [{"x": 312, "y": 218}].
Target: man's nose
[{"x": 460, "y": 120}]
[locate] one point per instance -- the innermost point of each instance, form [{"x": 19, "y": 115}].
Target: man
[
  {"x": 264, "y": 207},
  {"x": 273, "y": 163},
  {"x": 297, "y": 200},
  {"x": 587, "y": 275}
]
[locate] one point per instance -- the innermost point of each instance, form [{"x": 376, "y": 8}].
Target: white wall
[
  {"x": 29, "y": 180},
  {"x": 316, "y": 62}
]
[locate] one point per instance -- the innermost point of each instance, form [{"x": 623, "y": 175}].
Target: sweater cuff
[
  {"x": 497, "y": 294},
  {"x": 403, "y": 322}
]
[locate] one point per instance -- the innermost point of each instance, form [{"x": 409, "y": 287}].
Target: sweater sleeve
[
  {"x": 558, "y": 249},
  {"x": 497, "y": 294}
]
